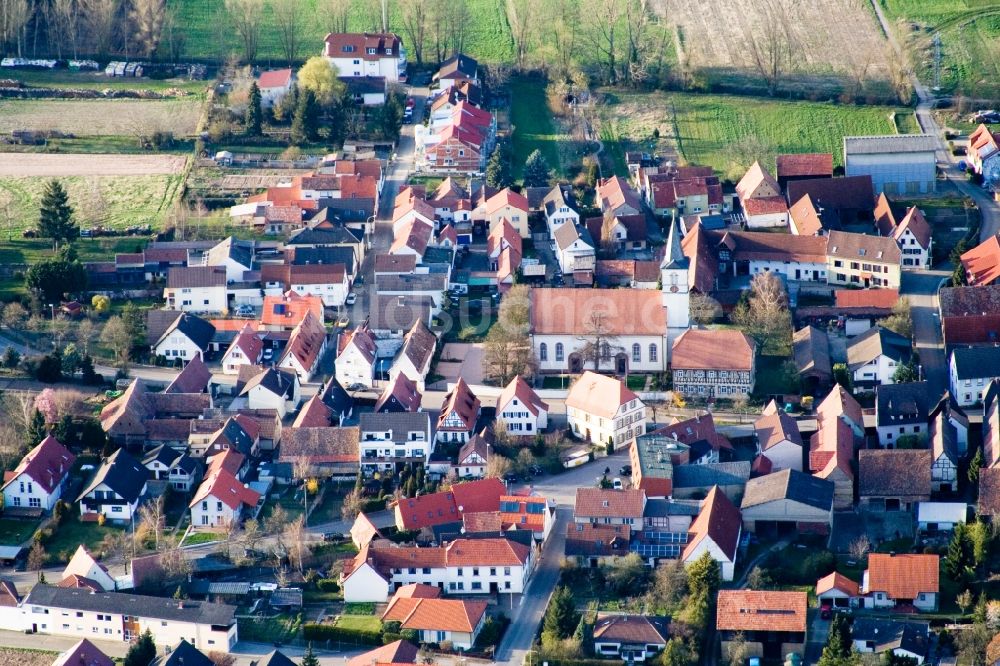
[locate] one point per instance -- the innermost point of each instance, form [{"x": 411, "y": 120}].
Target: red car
[
  {"x": 825, "y": 610},
  {"x": 410, "y": 103}
]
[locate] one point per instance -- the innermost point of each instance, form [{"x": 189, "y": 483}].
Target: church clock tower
[{"x": 674, "y": 280}]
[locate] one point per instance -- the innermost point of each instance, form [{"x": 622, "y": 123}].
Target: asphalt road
[{"x": 921, "y": 288}]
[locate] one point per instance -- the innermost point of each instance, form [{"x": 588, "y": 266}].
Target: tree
[
  {"x": 148, "y": 17},
  {"x": 975, "y": 465},
  {"x": 561, "y": 617},
  {"x": 100, "y": 303},
  {"x": 352, "y": 505},
  {"x": 703, "y": 309},
  {"x": 758, "y": 579},
  {"x": 55, "y": 215},
  {"x": 294, "y": 540},
  {"x": 36, "y": 558},
  {"x": 958, "y": 560},
  {"x": 979, "y": 541},
  {"x": 964, "y": 601},
  {"x": 906, "y": 373},
  {"x": 51, "y": 279},
  {"x": 309, "y": 659},
  {"x": 70, "y": 359},
  {"x": 498, "y": 170},
  {"x": 971, "y": 642},
  {"x": 336, "y": 13},
  {"x": 305, "y": 123},
  {"x": 522, "y": 19},
  {"x": 507, "y": 354},
  {"x": 603, "y": 18},
  {"x": 142, "y": 652},
  {"x": 151, "y": 517},
  {"x": 770, "y": 45},
  {"x": 626, "y": 574},
  {"x": 288, "y": 19},
  {"x": 764, "y": 317},
  {"x": 320, "y": 77},
  {"x": 415, "y": 15},
  {"x": 497, "y": 466},
  {"x": 14, "y": 316},
  {"x": 842, "y": 376},
  {"x": 669, "y": 584},
  {"x": 737, "y": 650},
  {"x": 390, "y": 117},
  {"x": 254, "y": 115},
  {"x": 36, "y": 431},
  {"x": 11, "y": 358},
  {"x": 676, "y": 653},
  {"x": 536, "y": 170},
  {"x": 901, "y": 319},
  {"x": 704, "y": 576},
  {"x": 525, "y": 461},
  {"x": 115, "y": 336},
  {"x": 859, "y": 547},
  {"x": 246, "y": 17},
  {"x": 597, "y": 339}
]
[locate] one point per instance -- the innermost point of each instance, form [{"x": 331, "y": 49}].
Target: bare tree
[
  {"x": 703, "y": 309},
  {"x": 415, "y": 17},
  {"x": 294, "y": 540},
  {"x": 287, "y": 17},
  {"x": 336, "y": 13},
  {"x": 14, "y": 17},
  {"x": 251, "y": 534},
  {"x": 597, "y": 338},
  {"x": 246, "y": 17},
  {"x": 507, "y": 354},
  {"x": 147, "y": 18},
  {"x": 603, "y": 20},
  {"x": 172, "y": 35},
  {"x": 770, "y": 45},
  {"x": 521, "y": 16},
  {"x": 36, "y": 558},
  {"x": 563, "y": 36},
  {"x": 352, "y": 505},
  {"x": 764, "y": 316},
  {"x": 151, "y": 516},
  {"x": 498, "y": 466},
  {"x": 62, "y": 17},
  {"x": 174, "y": 564},
  {"x": 439, "y": 35},
  {"x": 100, "y": 17},
  {"x": 860, "y": 547},
  {"x": 276, "y": 521},
  {"x": 637, "y": 20}
]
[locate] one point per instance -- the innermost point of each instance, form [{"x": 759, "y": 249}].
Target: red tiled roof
[
  {"x": 804, "y": 217},
  {"x": 574, "y": 311},
  {"x": 837, "y": 581},
  {"x": 522, "y": 518},
  {"x": 982, "y": 263},
  {"x": 519, "y": 389},
  {"x": 839, "y": 402},
  {"x": 760, "y": 610},
  {"x": 448, "y": 506},
  {"x": 229, "y": 460},
  {"x": 355, "y": 45},
  {"x": 398, "y": 652},
  {"x": 765, "y": 206},
  {"x": 723, "y": 349},
  {"x": 698, "y": 427},
  {"x": 314, "y": 414},
  {"x": 506, "y": 197},
  {"x": 47, "y": 464},
  {"x": 903, "y": 576},
  {"x": 460, "y": 402},
  {"x": 866, "y": 298},
  {"x": 275, "y": 78},
  {"x": 404, "y": 390},
  {"x": 718, "y": 520},
  {"x": 607, "y": 503},
  {"x": 804, "y": 164},
  {"x": 598, "y": 394},
  {"x": 306, "y": 342},
  {"x": 290, "y": 309},
  {"x": 435, "y": 614},
  {"x": 915, "y": 221},
  {"x": 226, "y": 488}
]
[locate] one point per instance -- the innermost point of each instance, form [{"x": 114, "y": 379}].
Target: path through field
[{"x": 24, "y": 165}]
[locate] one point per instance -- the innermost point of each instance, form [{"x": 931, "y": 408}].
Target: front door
[
  {"x": 575, "y": 364},
  {"x": 621, "y": 364}
]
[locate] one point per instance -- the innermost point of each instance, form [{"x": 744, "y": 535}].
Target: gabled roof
[
  {"x": 398, "y": 652},
  {"x": 196, "y": 329},
  {"x": 314, "y": 414},
  {"x": 775, "y": 426},
  {"x": 837, "y": 581},
  {"x": 404, "y": 391},
  {"x": 718, "y": 520},
  {"x": 900, "y": 404},
  {"x": 560, "y": 196},
  {"x": 355, "y": 45},
  {"x": 789, "y": 484},
  {"x": 460, "y": 402},
  {"x": 894, "y": 472},
  {"x": 363, "y": 340},
  {"x": 608, "y": 503},
  {"x": 274, "y": 658},
  {"x": 723, "y": 349},
  {"x": 306, "y": 342},
  {"x": 225, "y": 487},
  {"x": 84, "y": 653},
  {"x": 811, "y": 352},
  {"x": 917, "y": 224},
  {"x": 597, "y": 539},
  {"x": 47, "y": 464},
  {"x": 195, "y": 277},
  {"x": 194, "y": 378},
  {"x": 289, "y": 309},
  {"x": 805, "y": 218},
  {"x": 569, "y": 233},
  {"x": 518, "y": 389},
  {"x": 615, "y": 192},
  {"x": 239, "y": 251},
  {"x": 182, "y": 654},
  {"x": 757, "y": 183},
  {"x": 885, "y": 219},
  {"x": 832, "y": 448},
  {"x": 415, "y": 235},
  {"x": 862, "y": 247},
  {"x": 761, "y": 610},
  {"x": 902, "y": 576},
  {"x": 458, "y": 66},
  {"x": 877, "y": 342},
  {"x": 228, "y": 460},
  {"x": 866, "y": 298},
  {"x": 119, "y": 603},
  {"x": 448, "y": 506},
  {"x": 506, "y": 197},
  {"x": 121, "y": 473},
  {"x": 982, "y": 263},
  {"x": 797, "y": 165},
  {"x": 478, "y": 444},
  {"x": 976, "y": 362},
  {"x": 320, "y": 445},
  {"x": 436, "y": 614},
  {"x": 845, "y": 193},
  {"x": 841, "y": 404},
  {"x": 419, "y": 344},
  {"x": 248, "y": 342},
  {"x": 274, "y": 78},
  {"x": 279, "y": 382},
  {"x": 631, "y": 629},
  {"x": 696, "y": 428},
  {"x": 599, "y": 395},
  {"x": 621, "y": 312}
]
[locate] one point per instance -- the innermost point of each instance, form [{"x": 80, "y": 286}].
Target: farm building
[{"x": 897, "y": 164}]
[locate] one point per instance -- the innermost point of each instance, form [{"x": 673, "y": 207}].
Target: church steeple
[{"x": 674, "y": 255}]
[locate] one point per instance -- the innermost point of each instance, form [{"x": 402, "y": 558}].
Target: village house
[
  {"x": 271, "y": 388},
  {"x": 616, "y": 197},
  {"x": 470, "y": 463},
  {"x": 505, "y": 205},
  {"x": 187, "y": 337},
  {"x": 839, "y": 202},
  {"x": 787, "y": 502},
  {"x": 901, "y": 580},
  {"x": 811, "y": 354},
  {"x": 247, "y": 348},
  {"x": 894, "y": 479},
  {"x": 459, "y": 413},
  {"x": 971, "y": 369},
  {"x": 326, "y": 452},
  {"x": 399, "y": 395},
  {"x": 235, "y": 256},
  {"x": 984, "y": 153},
  {"x": 83, "y": 567},
  {"x": 836, "y": 590},
  {"x": 859, "y": 260},
  {"x": 425, "y": 511},
  {"x": 571, "y": 328},
  {"x": 982, "y": 263},
  {"x": 125, "y": 616},
  {"x": 596, "y": 544},
  {"x": 901, "y": 410},
  {"x": 355, "y": 365},
  {"x": 415, "y": 356},
  {"x": 772, "y": 623},
  {"x": 283, "y": 312},
  {"x": 520, "y": 409},
  {"x": 305, "y": 348},
  {"x": 222, "y": 500},
  {"x": 802, "y": 166},
  {"x": 938, "y": 517},
  {"x": 456, "y": 622},
  {"x": 634, "y": 638},
  {"x": 456, "y": 70},
  {"x": 40, "y": 478},
  {"x": 831, "y": 458},
  {"x": 603, "y": 411},
  {"x": 944, "y": 452},
  {"x": 575, "y": 249},
  {"x": 179, "y": 468},
  {"x": 713, "y": 363},
  {"x": 715, "y": 531},
  {"x": 83, "y": 653},
  {"x": 609, "y": 507},
  {"x": 874, "y": 356},
  {"x": 274, "y": 85},
  {"x": 970, "y": 315},
  {"x": 391, "y": 440},
  {"x": 560, "y": 208},
  {"x": 840, "y": 404},
  {"x": 763, "y": 205},
  {"x": 778, "y": 438},
  {"x": 116, "y": 490},
  {"x": 196, "y": 289},
  {"x": 912, "y": 234},
  {"x": 909, "y": 640},
  {"x": 366, "y": 54}
]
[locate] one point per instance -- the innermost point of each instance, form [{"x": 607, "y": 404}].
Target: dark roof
[
  {"x": 659, "y": 507},
  {"x": 195, "y": 277},
  {"x": 340, "y": 254},
  {"x": 362, "y": 85},
  {"x": 849, "y": 192},
  {"x": 194, "y": 378},
  {"x": 399, "y": 312},
  {"x": 157, "y": 322},
  {"x": 397, "y": 423},
  {"x": 902, "y": 404},
  {"x": 712, "y": 474},
  {"x": 275, "y": 658},
  {"x": 336, "y": 398},
  {"x": 811, "y": 351},
  {"x": 632, "y": 629},
  {"x": 122, "y": 473},
  {"x": 458, "y": 64},
  {"x": 894, "y": 472},
  {"x": 789, "y": 484},
  {"x": 183, "y": 654},
  {"x": 84, "y": 653},
  {"x": 875, "y": 342},
  {"x": 278, "y": 382},
  {"x": 199, "y": 331},
  {"x": 322, "y": 236},
  {"x": 164, "y": 454},
  {"x": 121, "y": 603},
  {"x": 891, "y": 634},
  {"x": 976, "y": 362}
]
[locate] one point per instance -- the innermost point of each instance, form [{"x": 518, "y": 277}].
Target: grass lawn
[
  {"x": 556, "y": 381},
  {"x": 30, "y": 250},
  {"x": 14, "y": 532},
  {"x": 770, "y": 377},
  {"x": 71, "y": 534},
  {"x": 112, "y": 117},
  {"x": 207, "y": 34},
  {"x": 287, "y": 501},
  {"x": 110, "y": 201},
  {"x": 63, "y": 78},
  {"x": 201, "y": 537},
  {"x": 359, "y": 622},
  {"x": 329, "y": 510},
  {"x": 534, "y": 128}
]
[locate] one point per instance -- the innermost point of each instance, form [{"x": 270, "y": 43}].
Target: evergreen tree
[
  {"x": 142, "y": 652},
  {"x": 703, "y": 576},
  {"x": 309, "y": 659},
  {"x": 975, "y": 465},
  {"x": 11, "y": 358},
  {"x": 958, "y": 559},
  {"x": 391, "y": 118},
  {"x": 135, "y": 327},
  {"x": 561, "y": 617},
  {"x": 50, "y": 279},
  {"x": 536, "y": 170},
  {"x": 55, "y": 215},
  {"x": 36, "y": 430},
  {"x": 498, "y": 171},
  {"x": 305, "y": 123},
  {"x": 254, "y": 116},
  {"x": 65, "y": 430}
]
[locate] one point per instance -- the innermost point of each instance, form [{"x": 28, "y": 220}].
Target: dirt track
[{"x": 40, "y": 164}]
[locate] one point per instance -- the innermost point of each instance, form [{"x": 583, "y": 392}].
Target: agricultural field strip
[
  {"x": 90, "y": 117},
  {"x": 29, "y": 165}
]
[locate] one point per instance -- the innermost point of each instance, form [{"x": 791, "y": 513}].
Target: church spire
[{"x": 674, "y": 255}]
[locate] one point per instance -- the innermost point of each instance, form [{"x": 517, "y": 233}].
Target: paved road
[{"x": 921, "y": 288}]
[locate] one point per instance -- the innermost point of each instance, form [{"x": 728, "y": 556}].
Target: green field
[
  {"x": 14, "y": 532},
  {"x": 970, "y": 42},
  {"x": 209, "y": 35},
  {"x": 110, "y": 201},
  {"x": 62, "y": 78},
  {"x": 534, "y": 128},
  {"x": 359, "y": 622},
  {"x": 728, "y": 132},
  {"x": 102, "y": 117}
]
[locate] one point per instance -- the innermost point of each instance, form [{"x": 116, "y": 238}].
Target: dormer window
[
  {"x": 388, "y": 51},
  {"x": 604, "y": 503},
  {"x": 372, "y": 51}
]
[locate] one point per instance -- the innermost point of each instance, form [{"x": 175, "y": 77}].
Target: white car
[
  {"x": 352, "y": 298},
  {"x": 617, "y": 484}
]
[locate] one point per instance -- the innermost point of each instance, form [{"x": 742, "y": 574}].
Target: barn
[{"x": 787, "y": 502}]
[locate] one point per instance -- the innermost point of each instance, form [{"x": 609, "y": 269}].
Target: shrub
[
  {"x": 329, "y": 632},
  {"x": 328, "y": 585}
]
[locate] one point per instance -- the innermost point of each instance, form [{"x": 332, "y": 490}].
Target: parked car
[
  {"x": 352, "y": 298},
  {"x": 625, "y": 470},
  {"x": 825, "y": 610},
  {"x": 344, "y": 322},
  {"x": 244, "y": 311},
  {"x": 268, "y": 354},
  {"x": 617, "y": 484}
]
